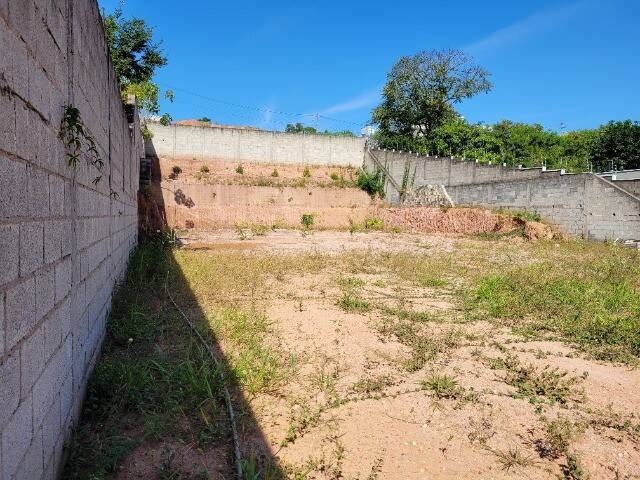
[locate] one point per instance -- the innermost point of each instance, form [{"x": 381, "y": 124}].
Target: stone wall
[
  {"x": 64, "y": 242},
  {"x": 584, "y": 205},
  {"x": 253, "y": 146}
]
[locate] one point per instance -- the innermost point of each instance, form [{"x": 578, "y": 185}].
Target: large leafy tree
[
  {"x": 136, "y": 57},
  {"x": 422, "y": 90},
  {"x": 617, "y": 146}
]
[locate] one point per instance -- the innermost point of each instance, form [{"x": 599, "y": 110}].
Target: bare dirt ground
[{"x": 392, "y": 378}]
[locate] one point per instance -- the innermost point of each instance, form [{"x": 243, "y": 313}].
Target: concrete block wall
[
  {"x": 583, "y": 205},
  {"x": 253, "y": 146},
  {"x": 64, "y": 242}
]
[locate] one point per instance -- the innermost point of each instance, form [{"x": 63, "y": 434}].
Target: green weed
[
  {"x": 443, "y": 386},
  {"x": 593, "y": 302}
]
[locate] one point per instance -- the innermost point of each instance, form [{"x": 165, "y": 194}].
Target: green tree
[
  {"x": 299, "y": 128},
  {"x": 422, "y": 90},
  {"x": 617, "y": 146},
  {"x": 136, "y": 57}
]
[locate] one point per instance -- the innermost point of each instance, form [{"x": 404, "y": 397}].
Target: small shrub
[
  {"x": 241, "y": 231},
  {"x": 527, "y": 216},
  {"x": 353, "y": 303},
  {"x": 204, "y": 169},
  {"x": 368, "y": 385},
  {"x": 374, "y": 224},
  {"x": 334, "y": 176},
  {"x": 275, "y": 173},
  {"x": 146, "y": 133},
  {"x": 443, "y": 387},
  {"x": 240, "y": 169},
  {"x": 176, "y": 170},
  {"x": 559, "y": 434},
  {"x": 306, "y": 173},
  {"x": 259, "y": 230},
  {"x": 574, "y": 470},
  {"x": 307, "y": 220},
  {"x": 372, "y": 183}
]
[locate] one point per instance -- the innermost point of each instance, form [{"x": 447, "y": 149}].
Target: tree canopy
[
  {"x": 418, "y": 114},
  {"x": 422, "y": 89},
  {"x": 136, "y": 57},
  {"x": 615, "y": 145},
  {"x": 300, "y": 128}
]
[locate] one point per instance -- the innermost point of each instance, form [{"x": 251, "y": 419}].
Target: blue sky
[{"x": 271, "y": 63}]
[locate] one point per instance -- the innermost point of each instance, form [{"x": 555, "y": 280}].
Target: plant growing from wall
[
  {"x": 240, "y": 169},
  {"x": 78, "y": 141},
  {"x": 372, "y": 183},
  {"x": 307, "y": 221}
]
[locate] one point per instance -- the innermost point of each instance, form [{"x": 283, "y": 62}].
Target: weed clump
[
  {"x": 307, "y": 220},
  {"x": 240, "y": 169},
  {"x": 443, "y": 386},
  {"x": 175, "y": 171},
  {"x": 372, "y": 183},
  {"x": 591, "y": 301}
]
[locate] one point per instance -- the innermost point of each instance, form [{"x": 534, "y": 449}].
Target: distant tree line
[
  {"x": 613, "y": 146},
  {"x": 418, "y": 114},
  {"x": 300, "y": 128}
]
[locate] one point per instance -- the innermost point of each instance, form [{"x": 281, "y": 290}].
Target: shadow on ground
[{"x": 155, "y": 406}]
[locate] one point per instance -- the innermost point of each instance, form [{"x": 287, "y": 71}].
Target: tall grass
[
  {"x": 153, "y": 381},
  {"x": 591, "y": 300}
]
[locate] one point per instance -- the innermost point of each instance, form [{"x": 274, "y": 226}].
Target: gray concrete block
[
  {"x": 31, "y": 247},
  {"x": 48, "y": 384},
  {"x": 32, "y": 465},
  {"x": 51, "y": 429},
  {"x": 20, "y": 311},
  {"x": 45, "y": 291},
  {"x": 53, "y": 236},
  {"x": 31, "y": 361},
  {"x": 63, "y": 279},
  {"x": 13, "y": 176},
  {"x": 16, "y": 438},
  {"x": 10, "y": 391},
  {"x": 9, "y": 253},
  {"x": 2, "y": 325},
  {"x": 56, "y": 196}
]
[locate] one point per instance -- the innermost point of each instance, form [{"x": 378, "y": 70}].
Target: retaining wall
[
  {"x": 225, "y": 206},
  {"x": 584, "y": 204},
  {"x": 253, "y": 146},
  {"x": 63, "y": 241},
  {"x": 631, "y": 186}
]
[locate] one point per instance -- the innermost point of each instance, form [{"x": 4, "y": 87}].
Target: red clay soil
[{"x": 452, "y": 220}]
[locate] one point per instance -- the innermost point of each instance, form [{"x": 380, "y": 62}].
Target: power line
[{"x": 259, "y": 109}]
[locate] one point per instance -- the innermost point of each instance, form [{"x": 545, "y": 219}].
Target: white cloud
[
  {"x": 524, "y": 28},
  {"x": 366, "y": 99}
]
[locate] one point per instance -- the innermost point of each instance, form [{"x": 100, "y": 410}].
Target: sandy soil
[
  {"x": 400, "y": 430},
  {"x": 353, "y": 410}
]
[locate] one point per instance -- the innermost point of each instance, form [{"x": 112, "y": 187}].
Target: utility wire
[{"x": 259, "y": 109}]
